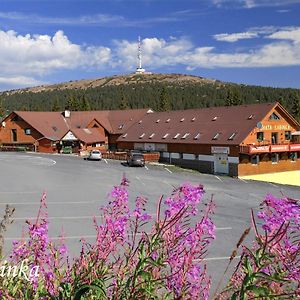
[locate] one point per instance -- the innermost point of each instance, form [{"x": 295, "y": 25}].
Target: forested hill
[{"x": 158, "y": 91}]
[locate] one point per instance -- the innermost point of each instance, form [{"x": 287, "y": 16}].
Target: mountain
[{"x": 158, "y": 91}]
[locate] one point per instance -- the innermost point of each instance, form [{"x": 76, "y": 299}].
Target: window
[
  {"x": 27, "y": 131},
  {"x": 193, "y": 119},
  {"x": 185, "y": 136},
  {"x": 168, "y": 120},
  {"x": 232, "y": 136},
  {"x": 260, "y": 136},
  {"x": 176, "y": 136},
  {"x": 55, "y": 128},
  {"x": 216, "y": 136},
  {"x": 152, "y": 135},
  {"x": 124, "y": 136},
  {"x": 197, "y": 136},
  {"x": 287, "y": 135},
  {"x": 255, "y": 159},
  {"x": 121, "y": 126},
  {"x": 140, "y": 121},
  {"x": 182, "y": 120},
  {"x": 166, "y": 135},
  {"x": 274, "y": 158},
  {"x": 214, "y": 118},
  {"x": 16, "y": 119},
  {"x": 14, "y": 135},
  {"x": 157, "y": 121},
  {"x": 274, "y": 117},
  {"x": 250, "y": 117},
  {"x": 293, "y": 156},
  {"x": 142, "y": 135}
]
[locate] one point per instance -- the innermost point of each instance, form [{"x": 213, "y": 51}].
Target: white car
[{"x": 95, "y": 155}]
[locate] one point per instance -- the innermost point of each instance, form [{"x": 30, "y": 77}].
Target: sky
[{"x": 255, "y": 42}]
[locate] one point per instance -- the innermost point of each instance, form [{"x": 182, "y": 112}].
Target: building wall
[
  {"x": 46, "y": 146},
  {"x": 19, "y": 126},
  {"x": 265, "y": 165},
  {"x": 269, "y": 126}
]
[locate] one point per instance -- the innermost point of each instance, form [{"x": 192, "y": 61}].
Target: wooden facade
[{"x": 266, "y": 143}]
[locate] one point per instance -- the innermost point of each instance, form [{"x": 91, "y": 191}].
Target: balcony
[{"x": 257, "y": 149}]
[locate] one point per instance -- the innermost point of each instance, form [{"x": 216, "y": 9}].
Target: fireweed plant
[
  {"x": 270, "y": 269},
  {"x": 140, "y": 256}
]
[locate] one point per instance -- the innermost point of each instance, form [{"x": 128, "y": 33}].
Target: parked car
[
  {"x": 135, "y": 159},
  {"x": 94, "y": 155}
]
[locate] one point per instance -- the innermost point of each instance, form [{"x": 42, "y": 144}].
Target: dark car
[{"x": 135, "y": 159}]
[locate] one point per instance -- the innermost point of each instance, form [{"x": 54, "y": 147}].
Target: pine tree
[
  {"x": 84, "y": 103},
  {"x": 72, "y": 103},
  {"x": 124, "y": 103},
  {"x": 55, "y": 105},
  {"x": 164, "y": 101},
  {"x": 233, "y": 97},
  {"x": 295, "y": 108}
]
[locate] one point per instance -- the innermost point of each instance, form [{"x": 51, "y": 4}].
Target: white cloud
[
  {"x": 292, "y": 34},
  {"x": 234, "y": 37},
  {"x": 26, "y": 59},
  {"x": 254, "y": 3},
  {"x": 42, "y": 54},
  {"x": 20, "y": 81}
]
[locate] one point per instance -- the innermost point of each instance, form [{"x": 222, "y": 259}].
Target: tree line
[{"x": 160, "y": 96}]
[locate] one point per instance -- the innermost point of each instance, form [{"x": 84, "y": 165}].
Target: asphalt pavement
[{"x": 77, "y": 188}]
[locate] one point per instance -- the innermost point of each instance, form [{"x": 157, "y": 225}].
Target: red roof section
[
  {"x": 89, "y": 135},
  {"x": 54, "y": 125},
  {"x": 215, "y": 125}
]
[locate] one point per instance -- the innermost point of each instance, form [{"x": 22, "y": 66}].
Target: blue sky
[{"x": 244, "y": 41}]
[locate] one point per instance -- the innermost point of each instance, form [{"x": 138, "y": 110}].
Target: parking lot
[{"x": 76, "y": 188}]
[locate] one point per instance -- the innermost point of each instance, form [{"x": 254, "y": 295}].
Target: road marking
[
  {"x": 223, "y": 228},
  {"x": 168, "y": 170},
  {"x": 48, "y": 203},
  {"x": 139, "y": 179},
  {"x": 219, "y": 258},
  {"x": 146, "y": 168},
  {"x": 243, "y": 180},
  {"x": 105, "y": 161},
  {"x": 219, "y": 178}
]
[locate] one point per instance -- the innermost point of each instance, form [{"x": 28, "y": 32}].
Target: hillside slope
[{"x": 158, "y": 91}]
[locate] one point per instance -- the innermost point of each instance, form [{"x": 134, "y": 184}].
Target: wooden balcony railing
[{"x": 256, "y": 149}]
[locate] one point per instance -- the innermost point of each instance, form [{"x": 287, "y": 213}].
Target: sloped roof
[
  {"x": 54, "y": 125},
  {"x": 50, "y": 124},
  {"x": 89, "y": 135},
  {"x": 199, "y": 126}
]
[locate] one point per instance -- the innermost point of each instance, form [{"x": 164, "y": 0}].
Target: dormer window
[
  {"x": 142, "y": 135},
  {"x": 185, "y": 136},
  {"x": 157, "y": 121},
  {"x": 193, "y": 119},
  {"x": 140, "y": 121},
  {"x": 197, "y": 136},
  {"x": 182, "y": 120},
  {"x": 124, "y": 136},
  {"x": 166, "y": 135},
  {"x": 168, "y": 120},
  {"x": 121, "y": 126},
  {"x": 216, "y": 136},
  {"x": 232, "y": 136},
  {"x": 250, "y": 117},
  {"x": 176, "y": 136},
  {"x": 214, "y": 118},
  {"x": 152, "y": 135}
]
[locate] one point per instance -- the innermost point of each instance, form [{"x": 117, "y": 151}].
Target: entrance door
[
  {"x": 274, "y": 138},
  {"x": 221, "y": 163}
]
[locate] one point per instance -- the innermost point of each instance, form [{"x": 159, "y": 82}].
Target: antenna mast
[{"x": 139, "y": 69}]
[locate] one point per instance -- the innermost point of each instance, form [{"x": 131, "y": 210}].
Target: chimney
[{"x": 67, "y": 113}]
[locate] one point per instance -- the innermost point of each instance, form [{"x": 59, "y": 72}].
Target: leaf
[
  {"x": 257, "y": 290},
  {"x": 85, "y": 288}
]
